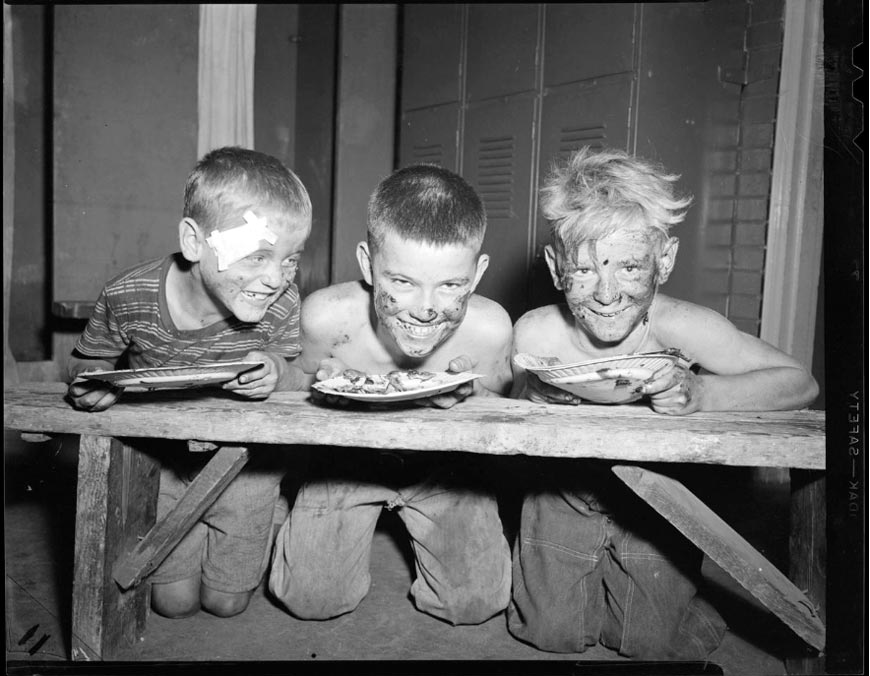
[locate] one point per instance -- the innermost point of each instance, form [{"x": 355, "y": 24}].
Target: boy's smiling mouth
[
  {"x": 420, "y": 330},
  {"x": 607, "y": 315},
  {"x": 257, "y": 295}
]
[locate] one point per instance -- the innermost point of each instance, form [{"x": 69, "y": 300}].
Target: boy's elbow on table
[{"x": 776, "y": 389}]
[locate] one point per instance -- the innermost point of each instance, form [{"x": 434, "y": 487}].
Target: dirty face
[
  {"x": 610, "y": 283},
  {"x": 249, "y": 286},
  {"x": 421, "y": 291}
]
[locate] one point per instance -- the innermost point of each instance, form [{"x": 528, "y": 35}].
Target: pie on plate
[{"x": 392, "y": 386}]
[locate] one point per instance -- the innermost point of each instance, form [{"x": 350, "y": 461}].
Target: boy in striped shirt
[{"x": 228, "y": 295}]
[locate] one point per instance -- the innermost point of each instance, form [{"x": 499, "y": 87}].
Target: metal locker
[
  {"x": 587, "y": 40},
  {"x": 431, "y": 136},
  {"x": 502, "y": 43},
  {"x": 497, "y": 161},
  {"x": 431, "y": 53}
]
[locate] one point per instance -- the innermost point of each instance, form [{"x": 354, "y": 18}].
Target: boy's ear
[
  {"x": 191, "y": 238},
  {"x": 667, "y": 258},
  {"x": 553, "y": 264},
  {"x": 482, "y": 265},
  {"x": 364, "y": 258}
]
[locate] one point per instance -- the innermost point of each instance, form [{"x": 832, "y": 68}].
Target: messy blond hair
[{"x": 592, "y": 194}]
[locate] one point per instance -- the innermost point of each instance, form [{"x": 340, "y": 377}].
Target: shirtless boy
[
  {"x": 587, "y": 569},
  {"x": 415, "y": 309}
]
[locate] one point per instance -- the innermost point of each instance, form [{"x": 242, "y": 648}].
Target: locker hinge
[{"x": 733, "y": 75}]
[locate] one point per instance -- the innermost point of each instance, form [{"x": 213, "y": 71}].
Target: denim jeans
[
  {"x": 229, "y": 544},
  {"x": 320, "y": 567},
  {"x": 594, "y": 563}
]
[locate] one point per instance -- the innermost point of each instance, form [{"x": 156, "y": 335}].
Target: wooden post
[
  {"x": 116, "y": 505},
  {"x": 807, "y": 553}
]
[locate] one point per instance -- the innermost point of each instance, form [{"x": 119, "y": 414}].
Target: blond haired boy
[{"x": 593, "y": 563}]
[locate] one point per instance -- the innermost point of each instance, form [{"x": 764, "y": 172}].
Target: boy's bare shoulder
[
  {"x": 677, "y": 311},
  {"x": 677, "y": 321},
  {"x": 544, "y": 318},
  {"x": 334, "y": 307},
  {"x": 486, "y": 316}
]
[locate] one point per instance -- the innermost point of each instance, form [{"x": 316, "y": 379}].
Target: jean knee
[
  {"x": 472, "y": 601},
  {"x": 319, "y": 604},
  {"x": 317, "y": 597},
  {"x": 474, "y": 610}
]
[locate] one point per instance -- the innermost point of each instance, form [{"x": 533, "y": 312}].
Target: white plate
[
  {"x": 609, "y": 380},
  {"x": 438, "y": 384},
  {"x": 174, "y": 377}
]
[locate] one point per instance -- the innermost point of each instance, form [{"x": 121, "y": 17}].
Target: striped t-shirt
[{"x": 132, "y": 317}]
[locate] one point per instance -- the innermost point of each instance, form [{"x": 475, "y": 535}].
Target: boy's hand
[
  {"x": 674, "y": 390},
  {"x": 260, "y": 382},
  {"x": 538, "y": 391},
  {"x": 329, "y": 368},
  {"x": 92, "y": 395},
  {"x": 450, "y": 399}
]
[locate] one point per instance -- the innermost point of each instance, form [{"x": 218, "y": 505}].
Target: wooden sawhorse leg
[
  {"x": 808, "y": 552},
  {"x": 116, "y": 504},
  {"x": 115, "y": 524},
  {"x": 707, "y": 531}
]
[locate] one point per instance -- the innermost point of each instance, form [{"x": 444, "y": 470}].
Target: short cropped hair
[
  {"x": 227, "y": 178},
  {"x": 426, "y": 203},
  {"x": 591, "y": 194}
]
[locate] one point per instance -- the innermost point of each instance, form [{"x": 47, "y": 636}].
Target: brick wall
[{"x": 740, "y": 195}]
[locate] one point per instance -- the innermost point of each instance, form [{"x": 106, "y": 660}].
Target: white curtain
[{"x": 226, "y": 76}]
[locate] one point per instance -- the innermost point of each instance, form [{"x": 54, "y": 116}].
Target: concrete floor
[{"x": 40, "y": 516}]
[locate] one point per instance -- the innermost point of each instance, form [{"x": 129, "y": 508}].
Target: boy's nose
[
  {"x": 607, "y": 290},
  {"x": 424, "y": 309},
  {"x": 273, "y": 275},
  {"x": 424, "y": 314}
]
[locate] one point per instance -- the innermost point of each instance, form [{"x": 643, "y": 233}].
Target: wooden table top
[{"x": 489, "y": 425}]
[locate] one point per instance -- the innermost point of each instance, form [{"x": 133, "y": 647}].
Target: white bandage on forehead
[{"x": 231, "y": 246}]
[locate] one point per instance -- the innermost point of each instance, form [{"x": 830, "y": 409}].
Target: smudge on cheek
[
  {"x": 455, "y": 310},
  {"x": 576, "y": 308},
  {"x": 385, "y": 303}
]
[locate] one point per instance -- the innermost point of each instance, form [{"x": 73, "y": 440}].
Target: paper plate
[
  {"x": 609, "y": 380},
  {"x": 439, "y": 383},
  {"x": 173, "y": 377}
]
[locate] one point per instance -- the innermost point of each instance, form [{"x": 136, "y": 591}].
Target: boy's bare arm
[
  {"x": 531, "y": 334},
  {"x": 319, "y": 322},
  {"x": 745, "y": 373},
  {"x": 294, "y": 378}
]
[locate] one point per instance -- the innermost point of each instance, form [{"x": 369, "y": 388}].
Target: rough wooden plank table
[{"x": 117, "y": 542}]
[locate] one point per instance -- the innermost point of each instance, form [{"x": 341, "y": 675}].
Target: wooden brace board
[
  {"x": 728, "y": 549},
  {"x": 168, "y": 532}
]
